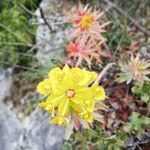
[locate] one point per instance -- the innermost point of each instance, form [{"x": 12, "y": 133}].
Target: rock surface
[
  {"x": 5, "y": 82},
  {"x": 50, "y": 43},
  {"x": 10, "y": 129},
  {"x": 10, "y": 126},
  {"x": 39, "y": 135}
]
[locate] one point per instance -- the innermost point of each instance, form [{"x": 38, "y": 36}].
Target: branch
[
  {"x": 25, "y": 9},
  {"x": 15, "y": 43},
  {"x": 102, "y": 74},
  {"x": 122, "y": 12},
  {"x": 45, "y": 20}
]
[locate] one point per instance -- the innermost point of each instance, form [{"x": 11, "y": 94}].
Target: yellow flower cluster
[{"x": 68, "y": 93}]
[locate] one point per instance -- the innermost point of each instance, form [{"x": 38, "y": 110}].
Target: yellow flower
[{"x": 69, "y": 93}]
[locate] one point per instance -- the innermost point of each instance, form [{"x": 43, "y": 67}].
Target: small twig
[
  {"x": 127, "y": 93},
  {"x": 25, "y": 9},
  {"x": 148, "y": 112},
  {"x": 17, "y": 66},
  {"x": 53, "y": 18},
  {"x": 102, "y": 74},
  {"x": 15, "y": 43},
  {"x": 18, "y": 53},
  {"x": 33, "y": 48},
  {"x": 45, "y": 20},
  {"x": 106, "y": 47},
  {"x": 122, "y": 12},
  {"x": 138, "y": 146},
  {"x": 57, "y": 23}
]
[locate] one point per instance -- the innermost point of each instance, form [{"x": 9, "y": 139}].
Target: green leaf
[
  {"x": 137, "y": 123},
  {"x": 143, "y": 91}
]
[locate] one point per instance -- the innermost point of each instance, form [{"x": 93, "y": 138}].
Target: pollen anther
[{"x": 70, "y": 93}]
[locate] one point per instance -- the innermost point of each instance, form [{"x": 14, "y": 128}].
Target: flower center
[
  {"x": 86, "y": 21},
  {"x": 73, "y": 48},
  {"x": 70, "y": 93}
]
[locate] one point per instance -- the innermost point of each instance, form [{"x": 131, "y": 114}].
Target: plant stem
[{"x": 104, "y": 71}]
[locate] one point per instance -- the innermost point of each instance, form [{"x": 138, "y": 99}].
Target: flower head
[
  {"x": 68, "y": 94},
  {"x": 73, "y": 48},
  {"x": 87, "y": 51},
  {"x": 84, "y": 20},
  {"x": 135, "y": 69},
  {"x": 88, "y": 23}
]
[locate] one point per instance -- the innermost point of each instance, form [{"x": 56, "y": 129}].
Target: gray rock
[
  {"x": 39, "y": 135},
  {"x": 10, "y": 129},
  {"x": 5, "y": 82},
  {"x": 145, "y": 52},
  {"x": 10, "y": 126},
  {"x": 50, "y": 43},
  {"x": 34, "y": 133}
]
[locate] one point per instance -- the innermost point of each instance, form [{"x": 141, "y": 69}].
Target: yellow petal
[
  {"x": 89, "y": 105},
  {"x": 47, "y": 106},
  {"x": 63, "y": 107},
  {"x": 98, "y": 92},
  {"x": 55, "y": 100},
  {"x": 42, "y": 104},
  {"x": 55, "y": 75},
  {"x": 66, "y": 68},
  {"x": 71, "y": 80},
  {"x": 87, "y": 116},
  {"x": 77, "y": 107},
  {"x": 44, "y": 87},
  {"x": 54, "y": 71},
  {"x": 82, "y": 95},
  {"x": 89, "y": 77},
  {"x": 59, "y": 120}
]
